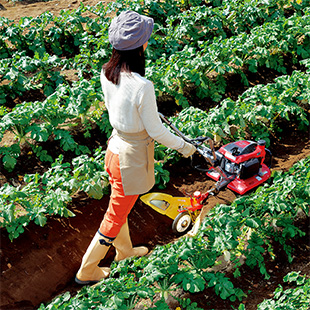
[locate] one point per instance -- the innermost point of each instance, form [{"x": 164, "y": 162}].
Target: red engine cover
[
  {"x": 232, "y": 151},
  {"x": 239, "y": 152}
]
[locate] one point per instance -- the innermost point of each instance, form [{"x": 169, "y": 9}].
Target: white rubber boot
[
  {"x": 89, "y": 272},
  {"x": 123, "y": 245}
]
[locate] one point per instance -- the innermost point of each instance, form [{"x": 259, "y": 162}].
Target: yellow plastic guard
[{"x": 165, "y": 204}]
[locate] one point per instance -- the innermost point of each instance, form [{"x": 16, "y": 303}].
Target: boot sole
[{"x": 85, "y": 282}]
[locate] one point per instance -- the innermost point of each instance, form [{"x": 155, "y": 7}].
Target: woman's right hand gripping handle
[{"x": 187, "y": 150}]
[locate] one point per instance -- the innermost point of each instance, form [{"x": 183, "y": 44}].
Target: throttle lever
[{"x": 211, "y": 144}]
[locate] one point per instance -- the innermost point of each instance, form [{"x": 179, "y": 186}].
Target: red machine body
[{"x": 242, "y": 162}]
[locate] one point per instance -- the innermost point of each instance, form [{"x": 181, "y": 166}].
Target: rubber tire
[{"x": 181, "y": 223}]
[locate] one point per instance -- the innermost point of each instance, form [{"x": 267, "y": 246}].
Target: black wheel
[{"x": 181, "y": 223}]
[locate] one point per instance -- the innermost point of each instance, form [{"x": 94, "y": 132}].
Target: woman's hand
[{"x": 187, "y": 150}]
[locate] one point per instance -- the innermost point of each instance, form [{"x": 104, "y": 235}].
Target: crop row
[
  {"x": 192, "y": 24},
  {"x": 37, "y": 121},
  {"x": 255, "y": 113},
  {"x": 265, "y": 46},
  {"x": 49, "y": 194},
  {"x": 248, "y": 228},
  {"x": 178, "y": 21},
  {"x": 295, "y": 297},
  {"x": 35, "y": 50}
]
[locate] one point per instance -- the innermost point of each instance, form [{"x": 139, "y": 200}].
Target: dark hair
[{"x": 128, "y": 61}]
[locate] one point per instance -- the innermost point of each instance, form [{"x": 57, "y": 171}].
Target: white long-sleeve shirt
[{"x": 132, "y": 108}]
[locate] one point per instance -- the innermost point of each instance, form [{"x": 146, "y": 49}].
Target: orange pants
[{"x": 119, "y": 204}]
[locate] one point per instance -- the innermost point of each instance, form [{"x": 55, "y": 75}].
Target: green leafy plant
[
  {"x": 161, "y": 175},
  {"x": 296, "y": 297},
  {"x": 49, "y": 194}
]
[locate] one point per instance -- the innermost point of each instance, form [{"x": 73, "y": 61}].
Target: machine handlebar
[{"x": 199, "y": 143}]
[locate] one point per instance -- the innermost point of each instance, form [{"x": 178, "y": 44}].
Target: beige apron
[{"x": 136, "y": 159}]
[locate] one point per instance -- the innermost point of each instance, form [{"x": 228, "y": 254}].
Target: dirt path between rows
[{"x": 18, "y": 9}]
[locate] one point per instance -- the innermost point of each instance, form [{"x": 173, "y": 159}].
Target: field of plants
[{"x": 225, "y": 69}]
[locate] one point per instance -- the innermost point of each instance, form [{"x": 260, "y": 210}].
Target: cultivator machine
[{"x": 239, "y": 166}]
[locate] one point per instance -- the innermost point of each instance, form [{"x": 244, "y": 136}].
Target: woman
[{"x": 131, "y": 103}]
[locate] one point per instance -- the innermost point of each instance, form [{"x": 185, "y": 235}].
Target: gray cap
[{"x": 130, "y": 30}]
